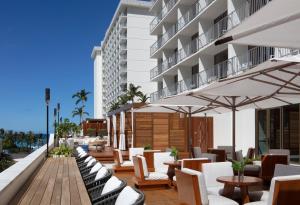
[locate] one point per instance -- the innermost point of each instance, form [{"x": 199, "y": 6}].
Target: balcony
[
  {"x": 162, "y": 14},
  {"x": 230, "y": 67},
  {"x": 196, "y": 9}
]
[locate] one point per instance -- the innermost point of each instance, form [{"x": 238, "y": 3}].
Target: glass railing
[
  {"x": 162, "y": 14},
  {"x": 230, "y": 67},
  {"x": 182, "y": 21}
]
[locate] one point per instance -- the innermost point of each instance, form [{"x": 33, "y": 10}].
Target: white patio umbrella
[
  {"x": 275, "y": 25},
  {"x": 122, "y": 143},
  {"x": 115, "y": 131},
  {"x": 108, "y": 130}
]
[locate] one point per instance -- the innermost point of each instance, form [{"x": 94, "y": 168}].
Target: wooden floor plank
[
  {"x": 28, "y": 195},
  {"x": 65, "y": 197},
  {"x": 50, "y": 186},
  {"x": 84, "y": 197},
  {"x": 74, "y": 193},
  {"x": 56, "y": 195},
  {"x": 42, "y": 186}
]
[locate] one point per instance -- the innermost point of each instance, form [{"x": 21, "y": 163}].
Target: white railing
[{"x": 13, "y": 178}]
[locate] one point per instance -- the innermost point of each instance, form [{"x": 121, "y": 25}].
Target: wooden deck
[
  {"x": 154, "y": 196},
  {"x": 57, "y": 182}
]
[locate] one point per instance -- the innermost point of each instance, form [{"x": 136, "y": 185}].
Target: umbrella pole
[{"x": 233, "y": 126}]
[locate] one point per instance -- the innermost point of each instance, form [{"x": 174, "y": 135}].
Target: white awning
[{"x": 275, "y": 25}]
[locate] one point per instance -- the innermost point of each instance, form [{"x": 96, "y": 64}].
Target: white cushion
[
  {"x": 159, "y": 159},
  {"x": 101, "y": 173},
  {"x": 112, "y": 184},
  {"x": 127, "y": 164},
  {"x": 135, "y": 151},
  {"x": 174, "y": 178},
  {"x": 144, "y": 164},
  {"x": 78, "y": 148},
  {"x": 214, "y": 190},
  {"x": 83, "y": 155},
  {"x": 91, "y": 162},
  {"x": 157, "y": 176},
  {"x": 96, "y": 167},
  {"x": 201, "y": 182},
  {"x": 220, "y": 200},
  {"x": 128, "y": 196},
  {"x": 88, "y": 159},
  {"x": 214, "y": 170}
]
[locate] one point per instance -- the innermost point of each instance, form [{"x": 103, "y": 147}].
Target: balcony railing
[
  {"x": 230, "y": 67},
  {"x": 162, "y": 14},
  {"x": 182, "y": 21}
]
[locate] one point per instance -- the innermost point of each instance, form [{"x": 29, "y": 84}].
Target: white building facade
[
  {"x": 124, "y": 55},
  {"x": 187, "y": 57}
]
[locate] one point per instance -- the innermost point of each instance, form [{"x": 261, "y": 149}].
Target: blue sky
[{"x": 47, "y": 43}]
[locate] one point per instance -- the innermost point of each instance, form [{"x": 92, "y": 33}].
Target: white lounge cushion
[
  {"x": 88, "y": 159},
  {"x": 157, "y": 176},
  {"x": 83, "y": 155},
  {"x": 159, "y": 159},
  {"x": 91, "y": 162},
  {"x": 112, "y": 184},
  {"x": 144, "y": 164},
  {"x": 135, "y": 151},
  {"x": 78, "y": 148},
  {"x": 174, "y": 178},
  {"x": 214, "y": 170},
  {"x": 127, "y": 164},
  {"x": 96, "y": 167},
  {"x": 128, "y": 196},
  {"x": 201, "y": 182},
  {"x": 220, "y": 200},
  {"x": 101, "y": 173}
]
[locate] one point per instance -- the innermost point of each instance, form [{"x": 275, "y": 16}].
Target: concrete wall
[
  {"x": 245, "y": 129},
  {"x": 139, "y": 41},
  {"x": 13, "y": 178}
]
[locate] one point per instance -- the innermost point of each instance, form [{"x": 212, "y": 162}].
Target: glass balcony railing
[
  {"x": 162, "y": 14},
  {"x": 230, "y": 67},
  {"x": 182, "y": 21}
]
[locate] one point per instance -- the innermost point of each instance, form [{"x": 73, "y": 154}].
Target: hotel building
[
  {"x": 123, "y": 57},
  {"x": 187, "y": 58}
]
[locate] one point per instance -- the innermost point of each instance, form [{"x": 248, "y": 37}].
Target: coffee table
[
  {"x": 171, "y": 168},
  {"x": 243, "y": 183}
]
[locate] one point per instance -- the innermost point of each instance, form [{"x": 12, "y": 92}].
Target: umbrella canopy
[{"x": 276, "y": 24}]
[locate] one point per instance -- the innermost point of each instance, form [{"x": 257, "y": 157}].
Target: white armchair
[
  {"x": 135, "y": 151},
  {"x": 159, "y": 159}
]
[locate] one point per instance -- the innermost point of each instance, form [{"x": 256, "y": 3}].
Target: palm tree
[
  {"x": 123, "y": 99},
  {"x": 79, "y": 111},
  {"x": 81, "y": 96},
  {"x": 143, "y": 98},
  {"x": 114, "y": 106},
  {"x": 133, "y": 91}
]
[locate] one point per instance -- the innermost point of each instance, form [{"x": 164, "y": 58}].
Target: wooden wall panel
[
  {"x": 143, "y": 129},
  {"x": 202, "y": 132},
  {"x": 160, "y": 131},
  {"x": 178, "y": 132}
]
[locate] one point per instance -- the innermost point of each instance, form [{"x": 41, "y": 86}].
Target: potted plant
[
  {"x": 147, "y": 147},
  {"x": 174, "y": 153},
  {"x": 239, "y": 166}
]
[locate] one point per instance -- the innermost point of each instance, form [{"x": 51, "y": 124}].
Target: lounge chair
[
  {"x": 101, "y": 192},
  {"x": 102, "y": 176},
  {"x": 268, "y": 164},
  {"x": 159, "y": 159},
  {"x": 120, "y": 164},
  {"x": 128, "y": 196},
  {"x": 198, "y": 154},
  {"x": 88, "y": 166},
  {"x": 284, "y": 190},
  {"x": 145, "y": 178},
  {"x": 192, "y": 189},
  {"x": 221, "y": 154},
  {"x": 135, "y": 151},
  {"x": 286, "y": 170},
  {"x": 95, "y": 168},
  {"x": 280, "y": 152}
]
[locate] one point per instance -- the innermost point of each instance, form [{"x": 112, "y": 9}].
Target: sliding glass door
[{"x": 278, "y": 128}]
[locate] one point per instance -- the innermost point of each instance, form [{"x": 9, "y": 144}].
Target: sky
[{"x": 47, "y": 43}]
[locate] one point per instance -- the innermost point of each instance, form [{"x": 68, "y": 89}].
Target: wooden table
[
  {"x": 97, "y": 144},
  {"x": 57, "y": 182},
  {"x": 233, "y": 181},
  {"x": 171, "y": 168}
]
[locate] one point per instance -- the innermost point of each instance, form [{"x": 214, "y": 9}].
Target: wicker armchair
[
  {"x": 112, "y": 200},
  {"x": 98, "y": 199},
  {"x": 90, "y": 182}
]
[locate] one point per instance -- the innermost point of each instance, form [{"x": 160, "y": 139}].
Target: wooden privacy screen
[{"x": 165, "y": 130}]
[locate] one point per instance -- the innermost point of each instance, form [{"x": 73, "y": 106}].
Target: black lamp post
[
  {"x": 47, "y": 98},
  {"x": 55, "y": 140},
  {"x": 58, "y": 111}
]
